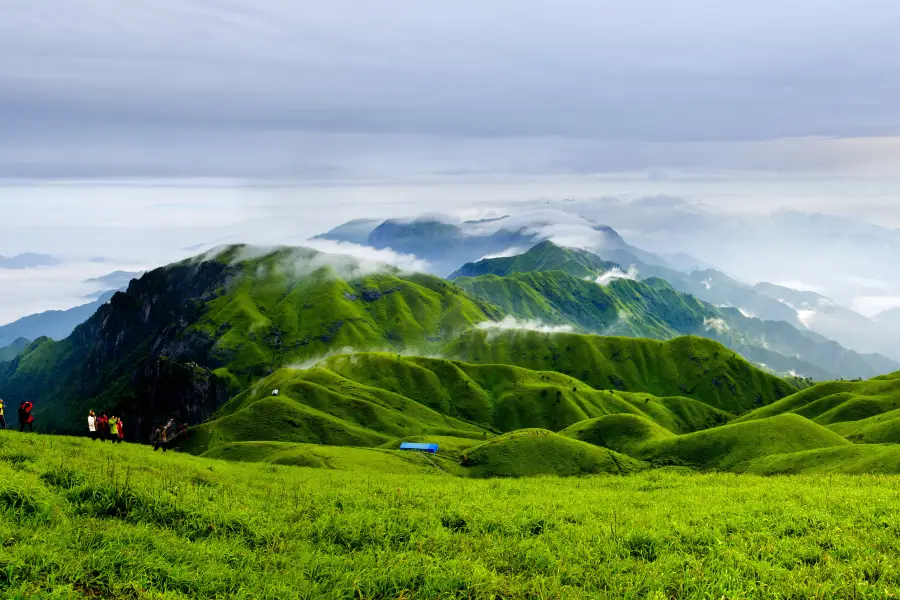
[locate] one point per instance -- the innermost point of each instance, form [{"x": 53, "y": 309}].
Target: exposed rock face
[
  {"x": 169, "y": 369},
  {"x": 166, "y": 388}
]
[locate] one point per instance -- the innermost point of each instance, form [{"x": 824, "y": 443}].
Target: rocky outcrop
[{"x": 163, "y": 367}]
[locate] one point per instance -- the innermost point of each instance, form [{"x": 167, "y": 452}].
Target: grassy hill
[
  {"x": 84, "y": 520},
  {"x": 623, "y": 307},
  {"x": 855, "y": 459},
  {"x": 729, "y": 446},
  {"x": 316, "y": 456},
  {"x": 368, "y": 399},
  {"x": 623, "y": 432},
  {"x": 530, "y": 452},
  {"x": 722, "y": 448},
  {"x": 692, "y": 367},
  {"x": 523, "y": 453},
  {"x": 183, "y": 339},
  {"x": 862, "y": 411}
]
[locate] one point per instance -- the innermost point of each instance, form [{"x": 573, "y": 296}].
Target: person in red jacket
[
  {"x": 26, "y": 419},
  {"x": 103, "y": 425}
]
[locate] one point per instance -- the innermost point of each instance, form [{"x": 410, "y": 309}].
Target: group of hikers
[
  {"x": 26, "y": 419},
  {"x": 112, "y": 428},
  {"x": 105, "y": 427}
]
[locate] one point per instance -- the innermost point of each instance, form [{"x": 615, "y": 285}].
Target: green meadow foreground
[{"x": 85, "y": 520}]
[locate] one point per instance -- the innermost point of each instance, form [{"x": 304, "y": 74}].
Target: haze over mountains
[
  {"x": 512, "y": 235},
  {"x": 446, "y": 246},
  {"x": 27, "y": 260}
]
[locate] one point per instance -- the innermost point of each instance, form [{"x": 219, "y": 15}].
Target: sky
[
  {"x": 139, "y": 130},
  {"x": 268, "y": 88}
]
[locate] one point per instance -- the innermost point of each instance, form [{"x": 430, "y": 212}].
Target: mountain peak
[{"x": 543, "y": 256}]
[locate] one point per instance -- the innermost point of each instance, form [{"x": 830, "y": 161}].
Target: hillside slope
[
  {"x": 861, "y": 411},
  {"x": 183, "y": 338},
  {"x": 859, "y": 459},
  {"x": 729, "y": 447},
  {"x": 693, "y": 367},
  {"x": 530, "y": 452},
  {"x": 367, "y": 399}
]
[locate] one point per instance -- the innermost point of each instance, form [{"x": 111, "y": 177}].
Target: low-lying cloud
[
  {"x": 511, "y": 251},
  {"x": 369, "y": 255},
  {"x": 512, "y": 323},
  {"x": 716, "y": 324},
  {"x": 345, "y": 259},
  {"x": 616, "y": 273}
]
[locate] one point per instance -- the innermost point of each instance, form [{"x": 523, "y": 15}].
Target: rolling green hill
[
  {"x": 693, "y": 367},
  {"x": 530, "y": 452},
  {"x": 623, "y": 432},
  {"x": 523, "y": 453},
  {"x": 624, "y": 307},
  {"x": 856, "y": 459},
  {"x": 368, "y": 399},
  {"x": 316, "y": 456},
  {"x": 727, "y": 447},
  {"x": 184, "y": 338},
  {"x": 862, "y": 411}
]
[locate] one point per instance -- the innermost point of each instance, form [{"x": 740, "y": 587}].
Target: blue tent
[{"x": 432, "y": 448}]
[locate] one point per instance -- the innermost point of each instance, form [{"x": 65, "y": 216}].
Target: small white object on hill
[{"x": 274, "y": 392}]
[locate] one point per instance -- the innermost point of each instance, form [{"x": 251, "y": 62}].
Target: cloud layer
[
  {"x": 512, "y": 323},
  {"x": 270, "y": 88}
]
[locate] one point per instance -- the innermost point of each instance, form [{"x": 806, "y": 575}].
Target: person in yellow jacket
[
  {"x": 113, "y": 431},
  {"x": 2, "y": 418}
]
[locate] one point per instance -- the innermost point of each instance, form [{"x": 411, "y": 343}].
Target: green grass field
[{"x": 84, "y": 520}]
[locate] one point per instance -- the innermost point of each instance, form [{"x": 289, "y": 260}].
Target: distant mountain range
[
  {"x": 889, "y": 319},
  {"x": 13, "y": 350},
  {"x": 53, "y": 324},
  {"x": 828, "y": 318},
  {"x": 117, "y": 280},
  {"x": 28, "y": 260},
  {"x": 568, "y": 286},
  {"x": 447, "y": 245}
]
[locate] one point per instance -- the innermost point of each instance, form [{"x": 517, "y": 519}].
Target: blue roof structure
[{"x": 432, "y": 448}]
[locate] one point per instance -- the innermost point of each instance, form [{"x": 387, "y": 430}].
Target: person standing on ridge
[
  {"x": 92, "y": 425},
  {"x": 103, "y": 426},
  {"x": 26, "y": 419},
  {"x": 120, "y": 431},
  {"x": 2, "y": 418},
  {"x": 113, "y": 428},
  {"x": 159, "y": 438}
]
